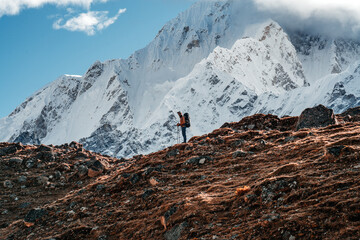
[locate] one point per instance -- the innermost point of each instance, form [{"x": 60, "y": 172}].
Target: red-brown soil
[{"x": 263, "y": 182}]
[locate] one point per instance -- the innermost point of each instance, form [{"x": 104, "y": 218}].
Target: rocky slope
[
  {"x": 33, "y": 176},
  {"x": 254, "y": 179},
  {"x": 219, "y": 61}
]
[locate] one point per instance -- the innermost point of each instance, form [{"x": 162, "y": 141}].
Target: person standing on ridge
[{"x": 182, "y": 124}]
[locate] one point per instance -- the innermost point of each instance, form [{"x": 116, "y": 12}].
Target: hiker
[{"x": 182, "y": 124}]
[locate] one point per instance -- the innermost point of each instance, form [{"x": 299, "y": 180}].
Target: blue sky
[{"x": 40, "y": 43}]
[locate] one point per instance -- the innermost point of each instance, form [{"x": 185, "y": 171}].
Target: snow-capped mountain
[
  {"x": 321, "y": 56},
  {"x": 219, "y": 61}
]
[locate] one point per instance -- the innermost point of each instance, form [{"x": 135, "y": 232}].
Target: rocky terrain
[{"x": 264, "y": 177}]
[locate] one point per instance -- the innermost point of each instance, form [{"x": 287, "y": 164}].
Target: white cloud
[
  {"x": 308, "y": 8},
  {"x": 13, "y": 7},
  {"x": 89, "y": 22},
  {"x": 335, "y": 17}
]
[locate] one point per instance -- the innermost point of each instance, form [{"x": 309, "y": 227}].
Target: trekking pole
[{"x": 178, "y": 135}]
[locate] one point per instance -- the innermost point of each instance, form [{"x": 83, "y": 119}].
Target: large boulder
[
  {"x": 319, "y": 116},
  {"x": 34, "y": 215},
  {"x": 97, "y": 167}
]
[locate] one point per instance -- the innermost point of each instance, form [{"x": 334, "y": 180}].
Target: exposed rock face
[
  {"x": 319, "y": 116},
  {"x": 266, "y": 181}
]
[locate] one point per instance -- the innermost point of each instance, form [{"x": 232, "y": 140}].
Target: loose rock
[
  {"x": 175, "y": 232},
  {"x": 42, "y": 180},
  {"x": 15, "y": 161},
  {"x": 238, "y": 154},
  {"x": 35, "y": 215},
  {"x": 22, "y": 179},
  {"x": 82, "y": 170},
  {"x": 8, "y": 184}
]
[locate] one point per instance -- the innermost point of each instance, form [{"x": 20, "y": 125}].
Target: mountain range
[{"x": 219, "y": 61}]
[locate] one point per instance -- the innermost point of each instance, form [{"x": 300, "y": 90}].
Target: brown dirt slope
[{"x": 263, "y": 182}]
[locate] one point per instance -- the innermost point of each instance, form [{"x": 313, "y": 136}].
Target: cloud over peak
[
  {"x": 89, "y": 22},
  {"x": 309, "y": 8},
  {"x": 332, "y": 17}
]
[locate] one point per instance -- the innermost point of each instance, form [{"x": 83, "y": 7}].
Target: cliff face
[{"x": 253, "y": 179}]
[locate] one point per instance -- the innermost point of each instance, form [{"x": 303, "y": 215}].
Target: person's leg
[{"x": 183, "y": 130}]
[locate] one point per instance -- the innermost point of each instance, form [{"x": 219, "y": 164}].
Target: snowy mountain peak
[
  {"x": 321, "y": 55},
  {"x": 94, "y": 71},
  {"x": 271, "y": 29},
  {"x": 278, "y": 42}
]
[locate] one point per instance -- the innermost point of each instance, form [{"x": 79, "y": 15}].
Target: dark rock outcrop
[{"x": 319, "y": 116}]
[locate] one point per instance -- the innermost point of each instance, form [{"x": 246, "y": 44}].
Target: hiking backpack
[{"x": 187, "y": 120}]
